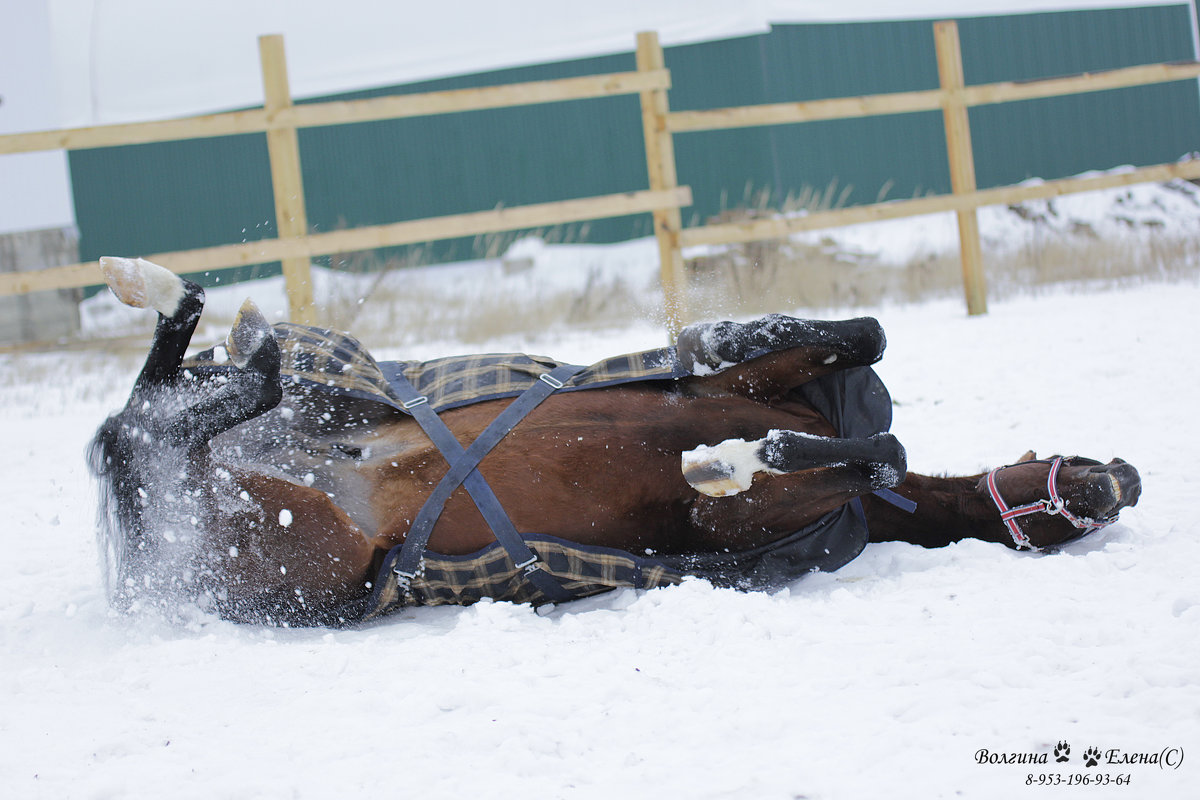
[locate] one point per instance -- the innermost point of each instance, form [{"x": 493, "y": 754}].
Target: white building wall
[{"x": 35, "y": 188}]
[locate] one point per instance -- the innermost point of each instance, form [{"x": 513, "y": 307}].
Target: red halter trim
[{"x": 1055, "y": 505}]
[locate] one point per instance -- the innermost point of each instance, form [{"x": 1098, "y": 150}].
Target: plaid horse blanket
[
  {"x": 339, "y": 363},
  {"x": 854, "y": 400},
  {"x": 463, "y": 580}
]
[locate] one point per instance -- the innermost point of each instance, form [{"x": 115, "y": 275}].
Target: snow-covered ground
[{"x": 884, "y": 679}]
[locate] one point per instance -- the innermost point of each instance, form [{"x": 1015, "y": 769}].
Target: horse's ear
[
  {"x": 1029, "y": 456},
  {"x": 249, "y": 333}
]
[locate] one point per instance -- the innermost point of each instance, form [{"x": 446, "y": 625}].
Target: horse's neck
[{"x": 948, "y": 510}]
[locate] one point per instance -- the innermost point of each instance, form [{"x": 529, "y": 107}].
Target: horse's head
[{"x": 1044, "y": 502}]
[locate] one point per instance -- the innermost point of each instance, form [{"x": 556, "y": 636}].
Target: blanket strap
[
  {"x": 463, "y": 463},
  {"x": 898, "y": 500}
]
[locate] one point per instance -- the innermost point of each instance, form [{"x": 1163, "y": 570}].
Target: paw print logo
[
  {"x": 1091, "y": 757},
  {"x": 1062, "y": 752}
]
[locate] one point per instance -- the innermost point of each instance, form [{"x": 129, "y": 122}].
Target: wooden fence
[
  {"x": 953, "y": 98},
  {"x": 279, "y": 119}
]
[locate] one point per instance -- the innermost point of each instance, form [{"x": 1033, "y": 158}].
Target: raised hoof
[
  {"x": 249, "y": 334},
  {"x": 143, "y": 284}
]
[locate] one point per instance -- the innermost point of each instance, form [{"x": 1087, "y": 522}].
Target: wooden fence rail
[
  {"x": 779, "y": 227},
  {"x": 280, "y": 119},
  {"x": 346, "y": 112},
  {"x": 366, "y": 238},
  {"x": 926, "y": 100},
  {"x": 952, "y": 98}
]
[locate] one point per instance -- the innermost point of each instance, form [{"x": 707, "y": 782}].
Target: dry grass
[
  {"x": 756, "y": 277},
  {"x": 771, "y": 275},
  {"x": 761, "y": 277}
]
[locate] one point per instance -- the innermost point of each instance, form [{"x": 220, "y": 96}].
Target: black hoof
[{"x": 715, "y": 345}]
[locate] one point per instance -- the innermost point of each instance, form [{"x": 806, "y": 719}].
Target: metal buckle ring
[
  {"x": 554, "y": 382},
  {"x": 416, "y": 401}
]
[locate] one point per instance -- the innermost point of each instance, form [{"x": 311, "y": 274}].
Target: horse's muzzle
[{"x": 1120, "y": 481}]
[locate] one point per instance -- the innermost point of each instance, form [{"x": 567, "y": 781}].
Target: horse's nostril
[
  {"x": 1124, "y": 481},
  {"x": 1131, "y": 483}
]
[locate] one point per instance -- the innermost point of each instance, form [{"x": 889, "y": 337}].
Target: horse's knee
[
  {"x": 889, "y": 465},
  {"x": 867, "y": 340}
]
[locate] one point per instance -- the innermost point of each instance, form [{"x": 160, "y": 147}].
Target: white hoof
[
  {"x": 725, "y": 469},
  {"x": 142, "y": 284},
  {"x": 250, "y": 329}
]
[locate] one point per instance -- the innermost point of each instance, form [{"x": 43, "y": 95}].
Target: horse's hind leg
[
  {"x": 729, "y": 467},
  {"x": 247, "y": 392},
  {"x": 142, "y": 284}
]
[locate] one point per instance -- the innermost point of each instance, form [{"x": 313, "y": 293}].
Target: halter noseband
[{"x": 1055, "y": 505}]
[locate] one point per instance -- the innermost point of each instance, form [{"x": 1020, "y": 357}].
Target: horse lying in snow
[{"x": 287, "y": 477}]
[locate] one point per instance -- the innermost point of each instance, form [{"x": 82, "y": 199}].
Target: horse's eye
[{"x": 1080, "y": 461}]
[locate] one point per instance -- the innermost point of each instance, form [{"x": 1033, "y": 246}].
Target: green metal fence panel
[
  {"x": 724, "y": 168},
  {"x": 473, "y": 161},
  {"x": 870, "y": 158},
  {"x": 154, "y": 198},
  {"x": 1057, "y": 137},
  {"x": 159, "y": 197}
]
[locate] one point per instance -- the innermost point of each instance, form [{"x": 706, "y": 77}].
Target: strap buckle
[
  {"x": 416, "y": 401},
  {"x": 552, "y": 381},
  {"x": 529, "y": 566},
  {"x": 403, "y": 579}
]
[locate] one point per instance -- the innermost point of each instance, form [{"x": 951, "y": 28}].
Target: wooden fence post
[
  {"x": 660, "y": 163},
  {"x": 962, "y": 161},
  {"x": 284, "y": 150}
]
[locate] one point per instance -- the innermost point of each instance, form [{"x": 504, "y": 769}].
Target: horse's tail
[{"x": 117, "y": 522}]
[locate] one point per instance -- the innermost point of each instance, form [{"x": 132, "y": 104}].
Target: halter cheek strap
[{"x": 1054, "y": 506}]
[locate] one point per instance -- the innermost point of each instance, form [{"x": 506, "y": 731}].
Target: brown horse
[{"x": 286, "y": 477}]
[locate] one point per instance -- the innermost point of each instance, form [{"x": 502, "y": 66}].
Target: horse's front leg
[
  {"x": 753, "y": 492},
  {"x": 766, "y": 358},
  {"x": 729, "y": 468}
]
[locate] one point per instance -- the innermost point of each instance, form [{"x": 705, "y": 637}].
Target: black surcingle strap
[
  {"x": 895, "y": 498},
  {"x": 406, "y": 563}
]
